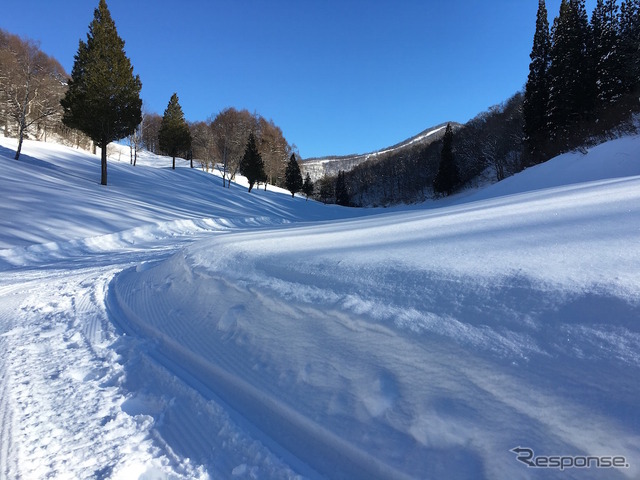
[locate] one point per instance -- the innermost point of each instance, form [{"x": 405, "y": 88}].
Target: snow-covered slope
[
  {"x": 301, "y": 341},
  {"x": 614, "y": 159},
  {"x": 51, "y": 197}
]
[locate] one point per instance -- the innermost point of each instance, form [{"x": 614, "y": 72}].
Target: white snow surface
[{"x": 165, "y": 327}]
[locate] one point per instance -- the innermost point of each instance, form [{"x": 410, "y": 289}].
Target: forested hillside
[
  {"x": 583, "y": 88},
  {"x": 317, "y": 168},
  {"x": 489, "y": 147}
]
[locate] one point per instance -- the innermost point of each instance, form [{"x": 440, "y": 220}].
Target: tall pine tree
[
  {"x": 174, "y": 136},
  {"x": 293, "y": 176},
  {"x": 252, "y": 165},
  {"x": 630, "y": 53},
  {"x": 447, "y": 178},
  {"x": 307, "y": 186},
  {"x": 572, "y": 92},
  {"x": 606, "y": 59},
  {"x": 103, "y": 98},
  {"x": 536, "y": 96}
]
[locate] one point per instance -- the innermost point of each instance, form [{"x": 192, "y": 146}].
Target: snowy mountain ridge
[{"x": 331, "y": 165}]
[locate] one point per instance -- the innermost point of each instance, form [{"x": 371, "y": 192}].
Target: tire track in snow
[
  {"x": 60, "y": 391},
  {"x": 226, "y": 378},
  {"x": 189, "y": 425},
  {"x": 12, "y": 295},
  {"x": 8, "y": 464}
]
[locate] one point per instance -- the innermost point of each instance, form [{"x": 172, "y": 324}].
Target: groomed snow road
[
  {"x": 79, "y": 398},
  {"x": 412, "y": 345}
]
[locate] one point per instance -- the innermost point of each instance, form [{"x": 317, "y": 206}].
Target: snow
[{"x": 165, "y": 327}]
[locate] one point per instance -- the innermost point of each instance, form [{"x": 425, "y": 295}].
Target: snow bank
[{"x": 614, "y": 159}]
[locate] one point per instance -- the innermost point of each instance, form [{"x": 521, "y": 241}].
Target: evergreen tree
[
  {"x": 327, "y": 190},
  {"x": 292, "y": 176},
  {"x": 341, "y": 191},
  {"x": 307, "y": 186},
  {"x": 606, "y": 56},
  {"x": 174, "y": 136},
  {"x": 447, "y": 178},
  {"x": 536, "y": 96},
  {"x": 103, "y": 98},
  {"x": 251, "y": 165},
  {"x": 572, "y": 92},
  {"x": 630, "y": 53}
]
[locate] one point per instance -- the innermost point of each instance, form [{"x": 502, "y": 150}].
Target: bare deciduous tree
[
  {"x": 275, "y": 152},
  {"x": 202, "y": 144},
  {"x": 150, "y": 128},
  {"x": 231, "y": 129},
  {"x": 135, "y": 141},
  {"x": 32, "y": 85}
]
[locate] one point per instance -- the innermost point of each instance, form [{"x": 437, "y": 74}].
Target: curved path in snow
[{"x": 422, "y": 345}]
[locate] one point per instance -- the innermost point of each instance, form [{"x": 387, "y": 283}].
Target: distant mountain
[{"x": 330, "y": 166}]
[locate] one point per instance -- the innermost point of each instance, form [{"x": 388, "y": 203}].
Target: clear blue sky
[{"x": 338, "y": 76}]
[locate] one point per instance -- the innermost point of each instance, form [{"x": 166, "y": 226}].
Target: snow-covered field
[{"x": 164, "y": 327}]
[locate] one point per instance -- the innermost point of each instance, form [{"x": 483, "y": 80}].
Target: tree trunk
[
  {"x": 224, "y": 167},
  {"x": 20, "y": 138},
  {"x": 23, "y": 119},
  {"x": 103, "y": 162},
  {"x": 174, "y": 163}
]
